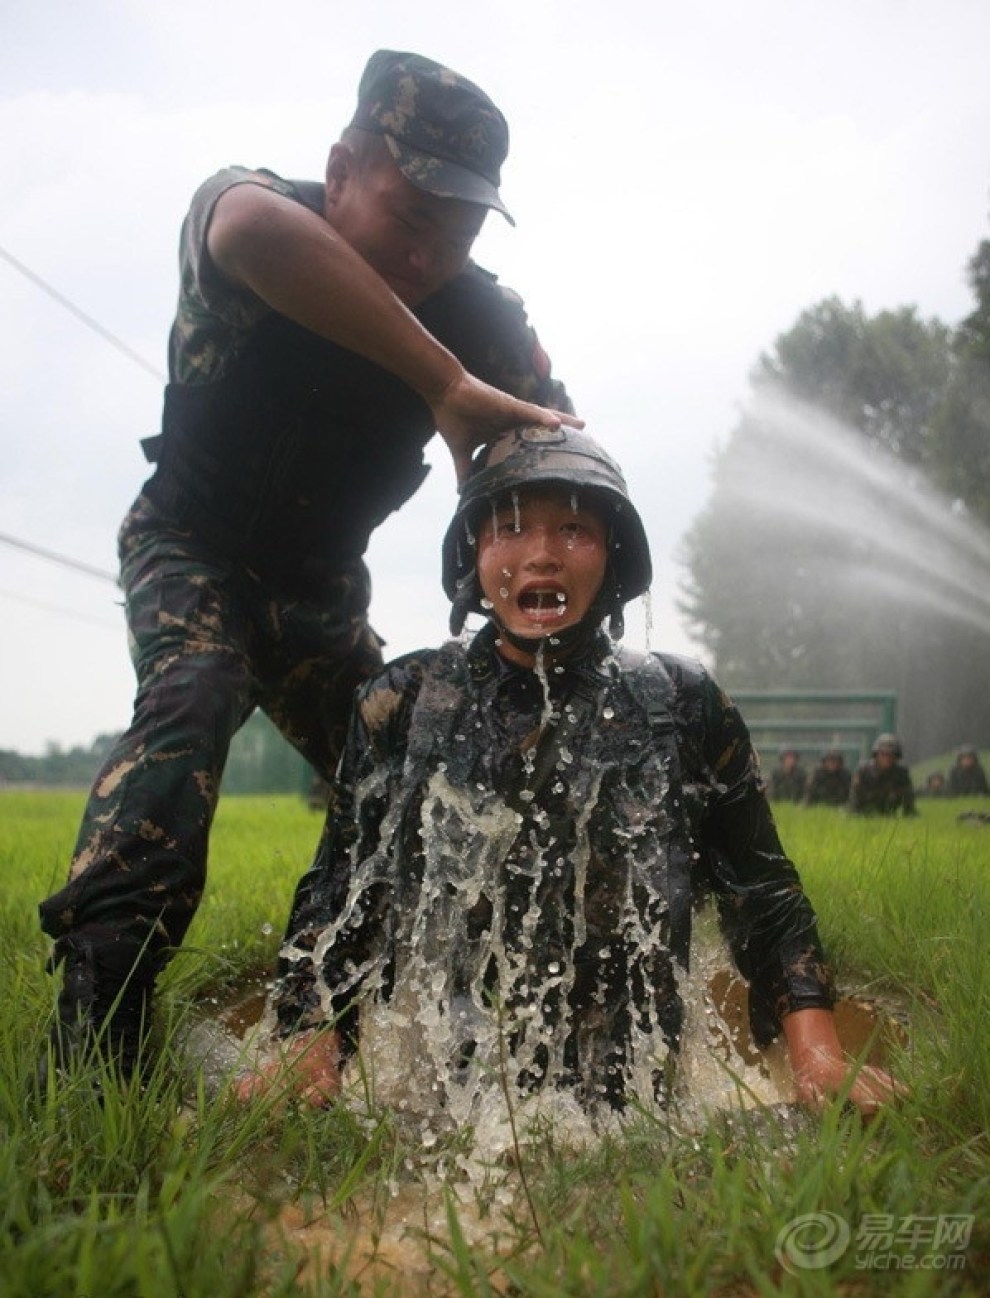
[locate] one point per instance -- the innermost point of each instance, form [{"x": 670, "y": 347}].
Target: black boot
[{"x": 104, "y": 1007}]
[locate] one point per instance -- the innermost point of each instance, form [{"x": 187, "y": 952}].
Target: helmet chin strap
[{"x": 554, "y": 642}]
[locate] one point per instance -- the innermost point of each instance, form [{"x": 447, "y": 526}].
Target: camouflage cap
[{"x": 443, "y": 131}]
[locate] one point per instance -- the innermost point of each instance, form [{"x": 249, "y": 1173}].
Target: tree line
[
  {"x": 846, "y": 541},
  {"x": 260, "y": 761}
]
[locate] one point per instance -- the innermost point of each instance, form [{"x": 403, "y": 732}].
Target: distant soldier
[
  {"x": 830, "y": 781},
  {"x": 967, "y": 778},
  {"x": 934, "y": 786},
  {"x": 788, "y": 778},
  {"x": 881, "y": 785}
]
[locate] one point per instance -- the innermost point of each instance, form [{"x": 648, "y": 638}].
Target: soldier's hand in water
[
  {"x": 308, "y": 1070},
  {"x": 469, "y": 413},
  {"x": 821, "y": 1077},
  {"x": 822, "y": 1070}
]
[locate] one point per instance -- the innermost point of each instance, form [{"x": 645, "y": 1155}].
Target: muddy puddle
[{"x": 394, "y": 1235}]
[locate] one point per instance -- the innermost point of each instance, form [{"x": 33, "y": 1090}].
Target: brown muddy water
[{"x": 396, "y": 1233}]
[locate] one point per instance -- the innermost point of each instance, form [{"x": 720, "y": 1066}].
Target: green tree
[{"x": 962, "y": 424}]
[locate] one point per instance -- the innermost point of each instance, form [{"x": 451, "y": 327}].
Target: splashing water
[
  {"x": 485, "y": 995},
  {"x": 905, "y": 542}
]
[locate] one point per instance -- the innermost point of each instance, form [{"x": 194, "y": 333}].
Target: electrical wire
[
  {"x": 60, "y": 609},
  {"x": 62, "y": 559},
  {"x": 80, "y": 314}
]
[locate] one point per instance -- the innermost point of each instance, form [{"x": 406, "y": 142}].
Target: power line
[
  {"x": 80, "y": 314},
  {"x": 58, "y": 608},
  {"x": 62, "y": 559}
]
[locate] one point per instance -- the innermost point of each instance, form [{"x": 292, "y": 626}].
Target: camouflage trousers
[{"x": 209, "y": 642}]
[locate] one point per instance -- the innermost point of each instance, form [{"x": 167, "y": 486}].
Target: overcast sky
[{"x": 686, "y": 179}]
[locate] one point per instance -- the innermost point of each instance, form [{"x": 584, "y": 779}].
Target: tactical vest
[
  {"x": 589, "y": 886},
  {"x": 442, "y": 732},
  {"x": 298, "y": 452},
  {"x": 303, "y": 447}
]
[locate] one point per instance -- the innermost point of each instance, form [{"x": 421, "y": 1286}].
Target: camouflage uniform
[
  {"x": 829, "y": 786},
  {"x": 242, "y": 565},
  {"x": 787, "y": 784},
  {"x": 881, "y": 792},
  {"x": 636, "y": 791},
  {"x": 967, "y": 778}
]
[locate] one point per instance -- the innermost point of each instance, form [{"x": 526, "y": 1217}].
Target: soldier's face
[
  {"x": 541, "y": 562},
  {"x": 414, "y": 240}
]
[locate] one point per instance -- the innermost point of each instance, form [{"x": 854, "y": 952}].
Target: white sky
[{"x": 686, "y": 179}]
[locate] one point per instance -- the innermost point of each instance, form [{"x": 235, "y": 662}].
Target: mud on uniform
[
  {"x": 455, "y": 820},
  {"x": 242, "y": 561}
]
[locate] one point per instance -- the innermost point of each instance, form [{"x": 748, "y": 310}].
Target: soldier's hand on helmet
[
  {"x": 308, "y": 1070},
  {"x": 469, "y": 412}
]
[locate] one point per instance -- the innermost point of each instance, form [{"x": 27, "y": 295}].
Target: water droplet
[
  {"x": 608, "y": 713},
  {"x": 267, "y": 930}
]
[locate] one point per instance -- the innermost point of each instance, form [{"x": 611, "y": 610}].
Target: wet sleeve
[
  {"x": 319, "y": 896},
  {"x": 485, "y": 325},
  {"x": 766, "y": 917},
  {"x": 375, "y": 745}
]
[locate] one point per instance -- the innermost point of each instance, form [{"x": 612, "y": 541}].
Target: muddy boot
[{"x": 104, "y": 1007}]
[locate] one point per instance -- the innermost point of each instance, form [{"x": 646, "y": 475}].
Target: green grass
[{"x": 176, "y": 1192}]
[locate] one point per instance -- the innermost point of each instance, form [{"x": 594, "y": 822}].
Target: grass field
[{"x": 177, "y": 1191}]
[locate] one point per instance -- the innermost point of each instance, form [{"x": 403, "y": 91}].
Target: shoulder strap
[
  {"x": 651, "y": 686},
  {"x": 439, "y": 710}
]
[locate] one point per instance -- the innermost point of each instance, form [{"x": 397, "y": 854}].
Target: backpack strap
[{"x": 650, "y": 684}]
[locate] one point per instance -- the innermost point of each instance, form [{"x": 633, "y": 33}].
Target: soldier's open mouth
[{"x": 549, "y": 601}]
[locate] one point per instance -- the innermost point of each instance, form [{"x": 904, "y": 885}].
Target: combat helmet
[
  {"x": 887, "y": 743},
  {"x": 532, "y": 455}
]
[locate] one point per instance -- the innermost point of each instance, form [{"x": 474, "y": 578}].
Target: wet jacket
[
  {"x": 282, "y": 449},
  {"x": 878, "y": 792},
  {"x": 577, "y": 831}
]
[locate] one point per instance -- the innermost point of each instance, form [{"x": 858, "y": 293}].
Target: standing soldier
[{"x": 324, "y": 331}]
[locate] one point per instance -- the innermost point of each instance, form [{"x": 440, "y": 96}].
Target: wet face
[
  {"x": 541, "y": 562},
  {"x": 414, "y": 240}
]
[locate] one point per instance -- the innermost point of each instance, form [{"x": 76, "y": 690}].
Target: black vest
[{"x": 303, "y": 447}]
